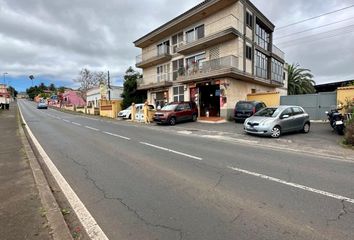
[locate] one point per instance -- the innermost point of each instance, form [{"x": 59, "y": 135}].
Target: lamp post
[
  {"x": 31, "y": 77},
  {"x": 4, "y": 77}
]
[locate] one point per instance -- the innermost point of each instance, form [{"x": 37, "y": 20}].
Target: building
[
  {"x": 214, "y": 54},
  {"x": 94, "y": 95},
  {"x": 73, "y": 98},
  {"x": 330, "y": 87}
]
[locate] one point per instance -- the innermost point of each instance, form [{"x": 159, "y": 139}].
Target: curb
[{"x": 59, "y": 228}]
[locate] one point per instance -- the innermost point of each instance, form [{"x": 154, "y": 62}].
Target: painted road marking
[
  {"x": 116, "y": 135},
  {"x": 92, "y": 128},
  {"x": 66, "y": 120},
  {"x": 88, "y": 222},
  {"x": 173, "y": 151},
  {"x": 295, "y": 185},
  {"x": 75, "y": 123}
]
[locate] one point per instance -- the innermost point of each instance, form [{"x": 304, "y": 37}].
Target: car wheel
[
  {"x": 172, "y": 121},
  {"x": 306, "y": 128},
  {"x": 130, "y": 116},
  {"x": 194, "y": 117},
  {"x": 276, "y": 132}
]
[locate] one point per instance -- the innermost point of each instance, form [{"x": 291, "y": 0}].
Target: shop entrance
[
  {"x": 161, "y": 99},
  {"x": 209, "y": 100}
]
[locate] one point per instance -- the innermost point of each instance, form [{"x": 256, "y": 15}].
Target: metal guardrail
[{"x": 154, "y": 52}]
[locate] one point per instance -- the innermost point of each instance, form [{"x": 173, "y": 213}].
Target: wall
[
  {"x": 270, "y": 98},
  {"x": 345, "y": 94},
  {"x": 110, "y": 108},
  {"x": 92, "y": 111}
]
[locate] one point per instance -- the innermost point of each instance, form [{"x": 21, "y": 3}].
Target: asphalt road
[{"x": 141, "y": 183}]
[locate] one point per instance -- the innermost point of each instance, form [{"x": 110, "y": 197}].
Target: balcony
[
  {"x": 276, "y": 51},
  {"x": 220, "y": 31},
  {"x": 153, "y": 57},
  {"x": 158, "y": 81},
  {"x": 220, "y": 67}
]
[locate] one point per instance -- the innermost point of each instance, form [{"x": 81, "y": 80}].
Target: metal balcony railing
[{"x": 156, "y": 79}]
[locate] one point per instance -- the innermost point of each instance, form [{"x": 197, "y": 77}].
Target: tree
[
  {"x": 52, "y": 87},
  {"x": 87, "y": 80},
  {"x": 61, "y": 89},
  {"x": 12, "y": 91},
  {"x": 130, "y": 93},
  {"x": 33, "y": 92},
  {"x": 42, "y": 87},
  {"x": 300, "y": 80},
  {"x": 101, "y": 77}
]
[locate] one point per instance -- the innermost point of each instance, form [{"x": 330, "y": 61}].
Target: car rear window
[{"x": 244, "y": 106}]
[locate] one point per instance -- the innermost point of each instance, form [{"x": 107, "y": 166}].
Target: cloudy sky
[{"x": 54, "y": 40}]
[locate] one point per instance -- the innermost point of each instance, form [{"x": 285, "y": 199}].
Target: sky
[{"x": 54, "y": 40}]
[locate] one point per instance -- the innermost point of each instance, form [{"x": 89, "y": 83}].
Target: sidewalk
[{"x": 21, "y": 213}]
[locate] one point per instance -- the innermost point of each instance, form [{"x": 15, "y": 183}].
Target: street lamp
[
  {"x": 31, "y": 77},
  {"x": 4, "y": 77}
]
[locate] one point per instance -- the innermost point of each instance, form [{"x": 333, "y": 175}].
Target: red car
[{"x": 177, "y": 112}]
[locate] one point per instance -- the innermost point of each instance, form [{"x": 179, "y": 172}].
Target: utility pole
[
  {"x": 31, "y": 77},
  {"x": 109, "y": 87}
]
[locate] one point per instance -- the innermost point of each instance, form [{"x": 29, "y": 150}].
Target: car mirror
[{"x": 285, "y": 116}]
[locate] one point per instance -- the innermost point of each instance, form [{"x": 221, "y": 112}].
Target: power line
[
  {"x": 311, "y": 18},
  {"x": 317, "y": 34},
  {"x": 315, "y": 40},
  {"x": 310, "y": 29}
]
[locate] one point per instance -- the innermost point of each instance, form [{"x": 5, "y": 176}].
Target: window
[
  {"x": 187, "y": 106},
  {"x": 287, "y": 111},
  {"x": 249, "y": 19},
  {"x": 248, "y": 52},
  {"x": 261, "y": 65},
  {"x": 194, "y": 64},
  {"x": 178, "y": 94},
  {"x": 163, "y": 73},
  {"x": 195, "y": 34},
  {"x": 177, "y": 68},
  {"x": 163, "y": 48},
  {"x": 262, "y": 37},
  {"x": 176, "y": 41},
  {"x": 277, "y": 71},
  {"x": 297, "y": 110}
]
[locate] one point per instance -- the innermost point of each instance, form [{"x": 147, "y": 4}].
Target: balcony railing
[
  {"x": 154, "y": 56},
  {"x": 154, "y": 81},
  {"x": 216, "y": 32},
  {"x": 278, "y": 52},
  {"x": 211, "y": 68}
]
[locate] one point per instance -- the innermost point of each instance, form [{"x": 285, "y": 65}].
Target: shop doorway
[
  {"x": 209, "y": 100},
  {"x": 161, "y": 99}
]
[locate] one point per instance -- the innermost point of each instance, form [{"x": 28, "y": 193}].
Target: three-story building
[{"x": 214, "y": 54}]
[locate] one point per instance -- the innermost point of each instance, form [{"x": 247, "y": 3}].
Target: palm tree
[{"x": 300, "y": 80}]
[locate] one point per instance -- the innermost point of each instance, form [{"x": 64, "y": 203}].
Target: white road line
[
  {"x": 295, "y": 185},
  {"x": 66, "y": 120},
  {"x": 173, "y": 151},
  {"x": 88, "y": 222},
  {"x": 75, "y": 123},
  {"x": 92, "y": 128},
  {"x": 116, "y": 135}
]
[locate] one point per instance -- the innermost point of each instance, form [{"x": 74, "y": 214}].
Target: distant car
[
  {"x": 175, "y": 112},
  {"x": 42, "y": 104},
  {"x": 274, "y": 121},
  {"x": 245, "y": 109},
  {"x": 126, "y": 113}
]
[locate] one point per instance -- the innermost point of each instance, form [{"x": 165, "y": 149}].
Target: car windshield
[
  {"x": 169, "y": 107},
  {"x": 244, "y": 106},
  {"x": 268, "y": 112},
  {"x": 128, "y": 108},
  {"x": 42, "y": 101}
]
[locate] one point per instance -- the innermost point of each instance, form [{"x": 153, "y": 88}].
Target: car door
[
  {"x": 187, "y": 112},
  {"x": 180, "y": 112},
  {"x": 287, "y": 124},
  {"x": 298, "y": 114}
]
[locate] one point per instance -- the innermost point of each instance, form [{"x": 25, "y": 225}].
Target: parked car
[
  {"x": 274, "y": 121},
  {"x": 42, "y": 104},
  {"x": 126, "y": 113},
  {"x": 177, "y": 112},
  {"x": 245, "y": 109}
]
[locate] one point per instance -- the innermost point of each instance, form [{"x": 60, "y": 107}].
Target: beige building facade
[{"x": 214, "y": 54}]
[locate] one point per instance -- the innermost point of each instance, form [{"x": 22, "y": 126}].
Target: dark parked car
[
  {"x": 177, "y": 112},
  {"x": 245, "y": 109}
]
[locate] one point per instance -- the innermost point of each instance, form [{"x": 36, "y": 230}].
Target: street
[{"x": 142, "y": 183}]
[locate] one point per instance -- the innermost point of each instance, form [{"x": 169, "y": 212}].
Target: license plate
[{"x": 339, "y": 122}]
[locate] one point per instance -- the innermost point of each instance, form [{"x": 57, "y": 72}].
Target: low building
[
  {"x": 73, "y": 98},
  {"x": 332, "y": 86},
  {"x": 94, "y": 95}
]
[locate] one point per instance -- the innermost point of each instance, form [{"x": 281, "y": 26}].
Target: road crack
[
  {"x": 122, "y": 202},
  {"x": 344, "y": 211}
]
